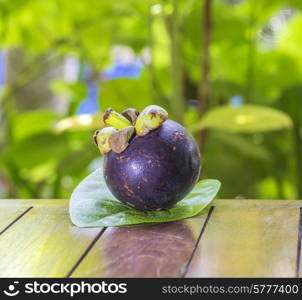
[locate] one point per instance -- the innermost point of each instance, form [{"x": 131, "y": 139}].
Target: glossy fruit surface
[{"x": 156, "y": 170}]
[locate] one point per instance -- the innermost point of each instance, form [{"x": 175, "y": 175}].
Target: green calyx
[
  {"x": 101, "y": 138},
  {"x": 149, "y": 119},
  {"x": 124, "y": 126},
  {"x": 131, "y": 114},
  {"x": 112, "y": 118},
  {"x": 119, "y": 140}
]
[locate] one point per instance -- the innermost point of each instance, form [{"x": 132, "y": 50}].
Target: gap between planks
[
  {"x": 86, "y": 252},
  {"x": 299, "y": 248},
  {"x": 16, "y": 220},
  {"x": 197, "y": 242}
]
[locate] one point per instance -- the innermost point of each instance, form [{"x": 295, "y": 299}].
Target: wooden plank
[
  {"x": 156, "y": 250},
  {"x": 43, "y": 243},
  {"x": 220, "y": 202},
  {"x": 247, "y": 202},
  {"x": 33, "y": 202},
  {"x": 248, "y": 239},
  {"x": 8, "y": 215},
  {"x": 243, "y": 238}
]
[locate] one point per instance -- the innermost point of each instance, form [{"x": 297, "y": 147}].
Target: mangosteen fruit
[{"x": 150, "y": 162}]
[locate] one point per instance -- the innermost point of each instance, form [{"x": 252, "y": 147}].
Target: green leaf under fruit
[
  {"x": 93, "y": 205},
  {"x": 244, "y": 119}
]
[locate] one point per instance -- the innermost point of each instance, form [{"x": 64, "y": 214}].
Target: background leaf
[
  {"x": 25, "y": 124},
  {"x": 245, "y": 118},
  {"x": 82, "y": 122},
  {"x": 120, "y": 94}
]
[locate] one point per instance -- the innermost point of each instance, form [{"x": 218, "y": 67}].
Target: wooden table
[{"x": 232, "y": 238}]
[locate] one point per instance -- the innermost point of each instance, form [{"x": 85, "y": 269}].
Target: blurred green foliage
[
  {"x": 244, "y": 119},
  {"x": 254, "y": 149}
]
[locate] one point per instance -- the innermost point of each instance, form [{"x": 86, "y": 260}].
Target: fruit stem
[{"x": 112, "y": 118}]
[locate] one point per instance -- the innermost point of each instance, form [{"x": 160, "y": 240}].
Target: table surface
[{"x": 231, "y": 238}]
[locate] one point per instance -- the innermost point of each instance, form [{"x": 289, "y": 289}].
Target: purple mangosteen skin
[{"x": 156, "y": 170}]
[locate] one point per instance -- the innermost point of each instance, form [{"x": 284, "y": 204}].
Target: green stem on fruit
[
  {"x": 112, "y": 118},
  {"x": 149, "y": 119},
  {"x": 101, "y": 138}
]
